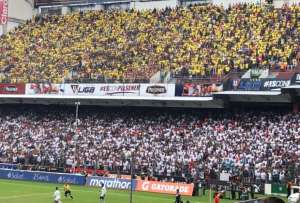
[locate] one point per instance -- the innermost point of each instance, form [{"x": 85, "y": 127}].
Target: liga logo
[
  {"x": 165, "y": 187},
  {"x": 82, "y": 90}
]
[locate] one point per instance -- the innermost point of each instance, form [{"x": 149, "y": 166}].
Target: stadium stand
[
  {"x": 252, "y": 145},
  {"x": 127, "y": 46}
]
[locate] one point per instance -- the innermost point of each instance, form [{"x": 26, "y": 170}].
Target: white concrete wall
[
  {"x": 20, "y": 9},
  {"x": 268, "y": 188},
  {"x": 280, "y": 3},
  {"x": 291, "y": 2},
  {"x": 145, "y": 5},
  {"x": 226, "y": 3}
]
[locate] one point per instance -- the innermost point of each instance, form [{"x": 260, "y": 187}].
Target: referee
[{"x": 102, "y": 193}]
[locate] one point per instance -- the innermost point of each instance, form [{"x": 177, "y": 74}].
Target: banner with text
[
  {"x": 112, "y": 183},
  {"x": 158, "y": 90},
  {"x": 164, "y": 187},
  {"x": 83, "y": 89},
  {"x": 3, "y": 12},
  {"x": 271, "y": 84},
  {"x": 42, "y": 176},
  {"x": 102, "y": 89},
  {"x": 262, "y": 84},
  {"x": 119, "y": 89},
  {"x": 12, "y": 88}
]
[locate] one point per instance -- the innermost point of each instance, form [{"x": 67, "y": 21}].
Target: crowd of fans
[
  {"x": 260, "y": 145},
  {"x": 133, "y": 45}
]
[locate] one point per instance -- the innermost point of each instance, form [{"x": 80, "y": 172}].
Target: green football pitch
[{"x": 32, "y": 192}]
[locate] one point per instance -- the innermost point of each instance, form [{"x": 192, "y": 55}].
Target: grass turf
[{"x": 32, "y": 192}]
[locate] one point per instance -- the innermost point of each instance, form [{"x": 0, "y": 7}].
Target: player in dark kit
[
  {"x": 67, "y": 190},
  {"x": 178, "y": 197}
]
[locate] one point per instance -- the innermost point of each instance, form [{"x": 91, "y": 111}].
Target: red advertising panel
[
  {"x": 3, "y": 11},
  {"x": 164, "y": 187},
  {"x": 12, "y": 88}
]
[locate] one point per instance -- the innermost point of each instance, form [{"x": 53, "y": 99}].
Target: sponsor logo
[
  {"x": 85, "y": 90},
  {"x": 41, "y": 177},
  {"x": 276, "y": 83},
  {"x": 250, "y": 85},
  {"x": 11, "y": 89},
  {"x": 15, "y": 175},
  {"x": 120, "y": 89},
  {"x": 112, "y": 183},
  {"x": 156, "y": 89},
  {"x": 165, "y": 187},
  {"x": 66, "y": 179}
]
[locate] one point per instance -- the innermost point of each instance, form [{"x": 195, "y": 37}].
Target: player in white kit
[
  {"x": 56, "y": 196},
  {"x": 102, "y": 193}
]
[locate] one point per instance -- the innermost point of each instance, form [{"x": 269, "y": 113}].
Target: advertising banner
[
  {"x": 42, "y": 176},
  {"x": 8, "y": 166},
  {"x": 12, "y": 88},
  {"x": 83, "y": 89},
  {"x": 269, "y": 84},
  {"x": 296, "y": 79},
  {"x": 278, "y": 189},
  {"x": 250, "y": 85},
  {"x": 200, "y": 90},
  {"x": 262, "y": 84},
  {"x": 164, "y": 187},
  {"x": 44, "y": 88},
  {"x": 158, "y": 90},
  {"x": 3, "y": 12},
  {"x": 119, "y": 89},
  {"x": 112, "y": 183}
]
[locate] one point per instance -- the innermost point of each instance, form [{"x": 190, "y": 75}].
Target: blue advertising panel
[
  {"x": 42, "y": 176},
  {"x": 250, "y": 85},
  {"x": 112, "y": 183},
  {"x": 8, "y": 166}
]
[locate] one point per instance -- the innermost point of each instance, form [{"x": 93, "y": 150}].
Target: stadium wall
[
  {"x": 146, "y": 5},
  {"x": 280, "y": 3}
]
